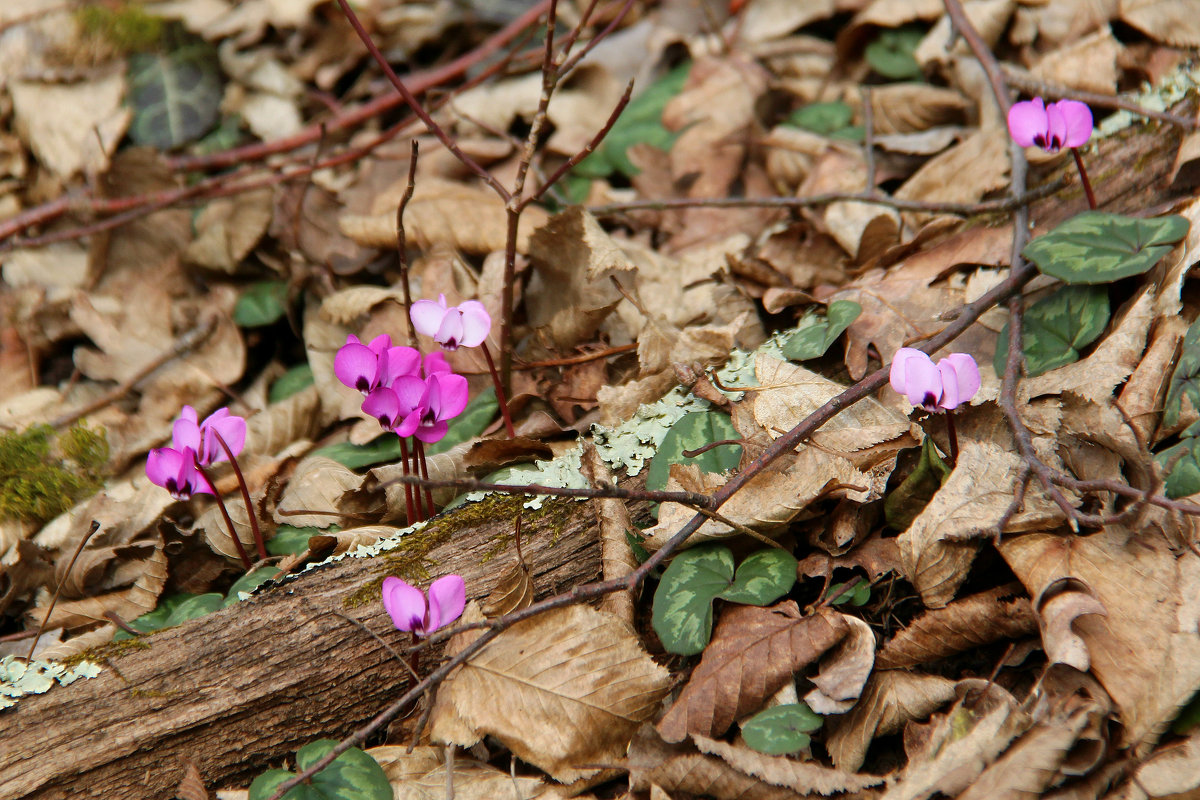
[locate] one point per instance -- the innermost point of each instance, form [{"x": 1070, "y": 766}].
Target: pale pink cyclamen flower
[
  {"x": 951, "y": 382},
  {"x": 201, "y": 439},
  {"x": 175, "y": 471},
  {"x": 410, "y": 611},
  {"x": 464, "y": 325},
  {"x": 1067, "y": 123}
]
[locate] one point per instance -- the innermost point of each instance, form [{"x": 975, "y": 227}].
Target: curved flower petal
[
  {"x": 1056, "y": 130},
  {"x": 185, "y": 432},
  {"x": 355, "y": 366},
  {"x": 163, "y": 464},
  {"x": 405, "y": 604},
  {"x": 900, "y": 361},
  {"x": 175, "y": 471},
  {"x": 436, "y": 362},
  {"x": 401, "y": 361},
  {"x": 1077, "y": 118},
  {"x": 447, "y": 599},
  {"x": 383, "y": 405},
  {"x": 1026, "y": 120},
  {"x": 410, "y": 393},
  {"x": 232, "y": 429},
  {"x": 448, "y": 395},
  {"x": 427, "y": 315},
  {"x": 960, "y": 379},
  {"x": 410, "y": 425},
  {"x": 914, "y": 375},
  {"x": 430, "y": 432},
  {"x": 476, "y": 321},
  {"x": 380, "y": 344},
  {"x": 450, "y": 333}
]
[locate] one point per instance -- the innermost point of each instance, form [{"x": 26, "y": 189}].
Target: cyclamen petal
[
  {"x": 383, "y": 405},
  {"x": 230, "y": 427},
  {"x": 960, "y": 379},
  {"x": 427, "y": 315},
  {"x": 1066, "y": 123},
  {"x": 914, "y": 375},
  {"x": 464, "y": 325},
  {"x": 175, "y": 471},
  {"x": 405, "y": 604},
  {"x": 476, "y": 322},
  {"x": 1078, "y": 118},
  {"x": 447, "y": 599},
  {"x": 355, "y": 365},
  {"x": 1026, "y": 120},
  {"x": 185, "y": 432}
]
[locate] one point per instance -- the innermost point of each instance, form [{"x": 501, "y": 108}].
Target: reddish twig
[
  {"x": 501, "y": 400},
  {"x": 233, "y": 534},
  {"x": 402, "y": 242},
  {"x": 241, "y": 480}
]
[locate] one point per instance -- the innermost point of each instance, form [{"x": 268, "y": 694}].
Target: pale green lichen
[
  {"x": 18, "y": 678},
  {"x": 1173, "y": 87}
]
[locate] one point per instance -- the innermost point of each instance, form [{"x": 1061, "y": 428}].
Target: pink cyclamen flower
[
  {"x": 463, "y": 325},
  {"x": 397, "y": 407},
  {"x": 445, "y": 397},
  {"x": 411, "y": 612},
  {"x": 201, "y": 438},
  {"x": 951, "y": 382},
  {"x": 1067, "y": 123},
  {"x": 175, "y": 471},
  {"x": 366, "y": 367}
]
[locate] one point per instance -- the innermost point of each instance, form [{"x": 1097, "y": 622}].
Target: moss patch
[
  {"x": 43, "y": 475},
  {"x": 105, "y": 652},
  {"x": 126, "y": 28}
]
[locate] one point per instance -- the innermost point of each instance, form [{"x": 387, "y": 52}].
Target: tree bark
[{"x": 243, "y": 688}]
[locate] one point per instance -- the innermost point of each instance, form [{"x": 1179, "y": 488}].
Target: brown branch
[
  {"x": 962, "y": 24},
  {"x": 402, "y": 241}
]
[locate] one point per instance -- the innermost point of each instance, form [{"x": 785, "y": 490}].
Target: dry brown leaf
[
  {"x": 890, "y": 699},
  {"x": 576, "y": 257},
  {"x": 1172, "y": 772},
  {"x": 191, "y": 785},
  {"x": 947, "y": 755},
  {"x": 800, "y": 776},
  {"x": 912, "y": 107},
  {"x": 1142, "y": 397},
  {"x": 1089, "y": 63},
  {"x": 144, "y": 582},
  {"x": 844, "y": 670},
  {"x": 228, "y": 229},
  {"x": 935, "y": 551},
  {"x": 862, "y": 229},
  {"x": 280, "y": 425},
  {"x": 25, "y": 568},
  {"x": 1172, "y": 23},
  {"x": 421, "y": 775},
  {"x": 78, "y": 644},
  {"x": 71, "y": 127},
  {"x": 972, "y": 622},
  {"x": 562, "y": 690},
  {"x": 1031, "y": 764},
  {"x": 988, "y": 17},
  {"x": 442, "y": 466},
  {"x": 772, "y": 19},
  {"x": 336, "y": 543},
  {"x": 876, "y": 556},
  {"x": 1057, "y": 23},
  {"x": 753, "y": 652},
  {"x": 512, "y": 592},
  {"x": 434, "y": 218},
  {"x": 613, "y": 520},
  {"x": 789, "y": 393},
  {"x": 962, "y": 174},
  {"x": 1146, "y": 651},
  {"x": 679, "y": 768},
  {"x": 318, "y": 484}
]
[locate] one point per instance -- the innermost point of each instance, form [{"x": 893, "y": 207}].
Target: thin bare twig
[
  {"x": 58, "y": 589},
  {"x": 402, "y": 240}
]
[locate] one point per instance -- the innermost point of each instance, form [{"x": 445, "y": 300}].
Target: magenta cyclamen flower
[
  {"x": 444, "y": 399},
  {"x": 175, "y": 471},
  {"x": 411, "y": 612},
  {"x": 953, "y": 381},
  {"x": 201, "y": 438},
  {"x": 464, "y": 325},
  {"x": 366, "y": 367},
  {"x": 1067, "y": 123}
]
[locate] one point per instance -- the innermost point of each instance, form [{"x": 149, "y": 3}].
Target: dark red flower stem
[
  {"x": 1083, "y": 178},
  {"x": 408, "y": 489},
  {"x": 425, "y": 475},
  {"x": 508, "y": 426},
  {"x": 953, "y": 434},
  {"x": 250, "y": 513},
  {"x": 225, "y": 514}
]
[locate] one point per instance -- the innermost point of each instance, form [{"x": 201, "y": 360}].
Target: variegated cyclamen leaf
[
  {"x": 1185, "y": 380},
  {"x": 780, "y": 730},
  {"x": 353, "y": 775},
  {"x": 176, "y": 96},
  {"x": 692, "y": 432},
  {"x": 682, "y": 615},
  {"x": 762, "y": 578},
  {"x": 816, "y": 333},
  {"x": 1098, "y": 247},
  {"x": 1057, "y": 328}
]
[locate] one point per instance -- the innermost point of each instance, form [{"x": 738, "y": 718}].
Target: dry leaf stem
[{"x": 95, "y": 526}]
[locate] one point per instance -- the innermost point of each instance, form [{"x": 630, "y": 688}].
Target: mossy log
[{"x": 247, "y": 686}]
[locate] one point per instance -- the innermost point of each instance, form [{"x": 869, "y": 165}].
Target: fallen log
[{"x": 243, "y": 688}]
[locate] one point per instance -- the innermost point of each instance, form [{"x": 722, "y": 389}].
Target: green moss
[
  {"x": 102, "y": 654},
  {"x": 42, "y": 476},
  {"x": 155, "y": 694},
  {"x": 127, "y": 27}
]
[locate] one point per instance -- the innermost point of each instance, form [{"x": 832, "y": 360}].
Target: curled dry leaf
[
  {"x": 191, "y": 785},
  {"x": 562, "y": 690},
  {"x": 78, "y": 644},
  {"x": 421, "y": 775},
  {"x": 229, "y": 228},
  {"x": 679, "y": 768},
  {"x": 799, "y": 776},
  {"x": 972, "y": 622},
  {"x": 512, "y": 592},
  {"x": 962, "y": 174},
  {"x": 844, "y": 671},
  {"x": 319, "y": 485},
  {"x": 890, "y": 699},
  {"x": 29, "y": 567},
  {"x": 913, "y": 107},
  {"x": 335, "y": 543},
  {"x": 753, "y": 652},
  {"x": 1172, "y": 772},
  {"x": 1146, "y": 651},
  {"x": 612, "y": 518},
  {"x": 1058, "y": 606},
  {"x": 280, "y": 425}
]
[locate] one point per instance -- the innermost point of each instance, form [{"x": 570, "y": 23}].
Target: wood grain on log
[{"x": 252, "y": 683}]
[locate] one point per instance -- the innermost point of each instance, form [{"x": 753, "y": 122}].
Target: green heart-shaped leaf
[
  {"x": 249, "y": 582},
  {"x": 263, "y": 303},
  {"x": 353, "y": 775},
  {"x": 1098, "y": 247},
  {"x": 157, "y": 618},
  {"x": 1183, "y": 460},
  {"x": 1057, "y": 327},
  {"x": 176, "y": 95},
  {"x": 891, "y": 54},
  {"x": 682, "y": 615},
  {"x": 781, "y": 729},
  {"x": 817, "y": 332},
  {"x": 691, "y": 432},
  {"x": 1185, "y": 380},
  {"x": 762, "y": 578},
  {"x": 296, "y": 379}
]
